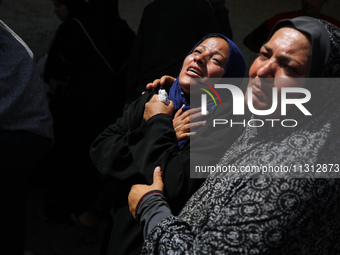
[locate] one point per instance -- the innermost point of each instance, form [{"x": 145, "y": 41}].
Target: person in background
[
  {"x": 311, "y": 8},
  {"x": 85, "y": 69},
  {"x": 157, "y": 45},
  {"x": 26, "y": 134},
  {"x": 240, "y": 212}
]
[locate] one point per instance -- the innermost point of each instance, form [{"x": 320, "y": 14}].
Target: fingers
[
  {"x": 153, "y": 84},
  {"x": 137, "y": 191},
  {"x": 195, "y": 110},
  {"x": 195, "y": 115},
  {"x": 179, "y": 112},
  {"x": 171, "y": 105},
  {"x": 167, "y": 80},
  {"x": 187, "y": 116},
  {"x": 197, "y": 124},
  {"x": 157, "y": 179},
  {"x": 183, "y": 136},
  {"x": 148, "y": 86},
  {"x": 191, "y": 126},
  {"x": 186, "y": 135},
  {"x": 181, "y": 115}
]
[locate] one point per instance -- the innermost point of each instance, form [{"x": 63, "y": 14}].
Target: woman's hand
[
  {"x": 138, "y": 190},
  {"x": 155, "y": 106},
  {"x": 183, "y": 123},
  {"x": 165, "y": 80}
]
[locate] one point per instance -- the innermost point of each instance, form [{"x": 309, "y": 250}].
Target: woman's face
[
  {"x": 285, "y": 57},
  {"x": 61, "y": 10},
  {"x": 207, "y": 60}
]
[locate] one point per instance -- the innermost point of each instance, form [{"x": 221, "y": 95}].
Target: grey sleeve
[{"x": 151, "y": 209}]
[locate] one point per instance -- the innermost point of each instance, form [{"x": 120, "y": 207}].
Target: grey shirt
[{"x": 23, "y": 102}]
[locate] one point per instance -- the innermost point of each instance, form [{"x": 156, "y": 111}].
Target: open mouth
[{"x": 195, "y": 71}]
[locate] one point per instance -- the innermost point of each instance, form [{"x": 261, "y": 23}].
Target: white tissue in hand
[{"x": 163, "y": 96}]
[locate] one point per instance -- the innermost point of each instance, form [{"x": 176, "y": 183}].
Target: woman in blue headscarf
[
  {"x": 180, "y": 91},
  {"x": 145, "y": 137}
]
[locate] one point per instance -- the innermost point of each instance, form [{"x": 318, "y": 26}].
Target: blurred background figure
[
  {"x": 158, "y": 51},
  {"x": 26, "y": 134},
  {"x": 86, "y": 74},
  {"x": 311, "y": 8}
]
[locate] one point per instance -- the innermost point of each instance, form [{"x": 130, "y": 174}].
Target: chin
[{"x": 186, "y": 89}]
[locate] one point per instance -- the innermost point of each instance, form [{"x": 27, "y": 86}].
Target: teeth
[{"x": 194, "y": 71}]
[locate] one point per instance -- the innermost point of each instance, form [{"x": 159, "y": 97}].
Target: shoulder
[
  {"x": 11, "y": 40},
  {"x": 331, "y": 20}
]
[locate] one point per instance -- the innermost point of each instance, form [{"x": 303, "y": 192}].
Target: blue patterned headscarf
[{"x": 235, "y": 68}]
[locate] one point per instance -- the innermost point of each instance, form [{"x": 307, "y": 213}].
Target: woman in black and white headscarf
[{"x": 236, "y": 213}]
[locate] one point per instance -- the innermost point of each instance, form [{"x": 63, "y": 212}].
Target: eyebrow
[
  {"x": 215, "y": 52},
  {"x": 267, "y": 48},
  {"x": 280, "y": 56}
]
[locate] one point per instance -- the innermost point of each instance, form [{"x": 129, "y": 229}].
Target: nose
[
  {"x": 201, "y": 59},
  {"x": 266, "y": 69}
]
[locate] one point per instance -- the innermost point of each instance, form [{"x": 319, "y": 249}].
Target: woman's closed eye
[
  {"x": 263, "y": 55},
  {"x": 216, "y": 61},
  {"x": 197, "y": 51},
  {"x": 289, "y": 69},
  {"x": 288, "y": 66}
]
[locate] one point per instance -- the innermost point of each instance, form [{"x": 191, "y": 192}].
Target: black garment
[
  {"x": 20, "y": 152},
  {"x": 130, "y": 149},
  {"x": 84, "y": 106},
  {"x": 167, "y": 31},
  {"x": 25, "y": 134}
]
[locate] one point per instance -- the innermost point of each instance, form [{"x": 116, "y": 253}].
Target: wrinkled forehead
[
  {"x": 291, "y": 40},
  {"x": 211, "y": 38},
  {"x": 216, "y": 43},
  {"x": 319, "y": 38}
]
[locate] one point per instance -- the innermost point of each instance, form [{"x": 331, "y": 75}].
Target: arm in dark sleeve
[
  {"x": 155, "y": 217},
  {"x": 161, "y": 149},
  {"x": 155, "y": 144},
  {"x": 151, "y": 209},
  {"x": 110, "y": 152}
]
